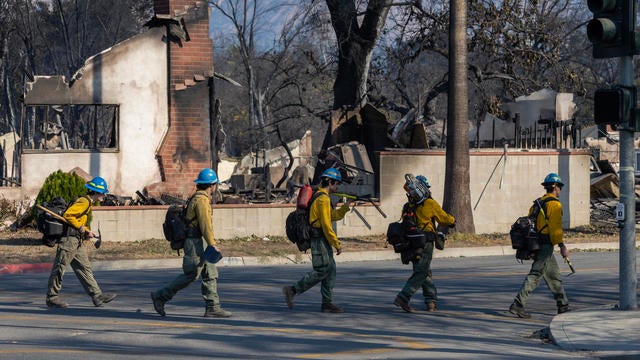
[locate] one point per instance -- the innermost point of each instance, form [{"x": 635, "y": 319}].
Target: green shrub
[{"x": 60, "y": 184}]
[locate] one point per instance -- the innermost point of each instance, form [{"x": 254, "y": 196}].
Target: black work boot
[
  {"x": 518, "y": 310},
  {"x": 215, "y": 311},
  {"x": 431, "y": 306},
  {"x": 331, "y": 308},
  {"x": 564, "y": 308},
  {"x": 103, "y": 298},
  {"x": 158, "y": 304},
  {"x": 289, "y": 292},
  {"x": 404, "y": 304},
  {"x": 55, "y": 302}
]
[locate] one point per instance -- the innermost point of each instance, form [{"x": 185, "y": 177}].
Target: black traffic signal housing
[
  {"x": 612, "y": 29},
  {"x": 615, "y": 106}
]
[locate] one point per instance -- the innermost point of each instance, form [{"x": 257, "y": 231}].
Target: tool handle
[
  {"x": 377, "y": 207},
  {"x": 366, "y": 223},
  {"x": 348, "y": 196},
  {"x": 359, "y": 198},
  {"x": 55, "y": 215},
  {"x": 566, "y": 259}
]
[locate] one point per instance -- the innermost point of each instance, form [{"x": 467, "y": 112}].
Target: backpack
[
  {"x": 406, "y": 237},
  {"x": 297, "y": 225},
  {"x": 53, "y": 229},
  {"x": 176, "y": 225},
  {"x": 523, "y": 233}
]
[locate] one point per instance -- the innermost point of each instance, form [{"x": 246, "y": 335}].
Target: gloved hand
[
  {"x": 85, "y": 233},
  {"x": 452, "y": 225},
  {"x": 212, "y": 255}
]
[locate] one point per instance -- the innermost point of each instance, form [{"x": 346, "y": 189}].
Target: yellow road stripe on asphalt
[{"x": 107, "y": 322}]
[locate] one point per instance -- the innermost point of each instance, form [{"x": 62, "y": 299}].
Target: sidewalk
[{"x": 611, "y": 332}]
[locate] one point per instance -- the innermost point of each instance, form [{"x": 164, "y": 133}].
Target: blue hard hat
[
  {"x": 552, "y": 178},
  {"x": 332, "y": 173},
  {"x": 423, "y": 180},
  {"x": 97, "y": 184},
  {"x": 206, "y": 176}
]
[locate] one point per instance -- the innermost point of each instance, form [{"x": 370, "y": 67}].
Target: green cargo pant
[
  {"x": 193, "y": 266},
  {"x": 544, "y": 267},
  {"x": 71, "y": 252},
  {"x": 421, "y": 278},
  {"x": 324, "y": 270}
]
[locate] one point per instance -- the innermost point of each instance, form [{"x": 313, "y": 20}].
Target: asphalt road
[{"x": 472, "y": 322}]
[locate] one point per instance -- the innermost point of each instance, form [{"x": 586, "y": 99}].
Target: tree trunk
[
  {"x": 214, "y": 121},
  {"x": 356, "y": 41},
  {"x": 457, "y": 200},
  {"x": 350, "y": 87}
]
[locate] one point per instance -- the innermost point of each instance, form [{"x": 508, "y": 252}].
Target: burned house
[
  {"x": 148, "y": 101},
  {"x": 543, "y": 119},
  {"x": 152, "y": 95}
]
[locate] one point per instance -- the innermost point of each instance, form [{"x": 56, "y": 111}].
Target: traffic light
[
  {"x": 612, "y": 29},
  {"x": 615, "y": 106}
]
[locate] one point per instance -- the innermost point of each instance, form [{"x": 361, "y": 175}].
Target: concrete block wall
[
  {"x": 500, "y": 189},
  {"x": 498, "y": 199}
]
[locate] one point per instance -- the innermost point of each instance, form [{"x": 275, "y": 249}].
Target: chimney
[{"x": 185, "y": 149}]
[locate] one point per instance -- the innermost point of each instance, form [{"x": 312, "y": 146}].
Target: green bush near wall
[{"x": 68, "y": 186}]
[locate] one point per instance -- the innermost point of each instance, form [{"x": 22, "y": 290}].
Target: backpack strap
[
  {"x": 66, "y": 225},
  {"x": 540, "y": 205},
  {"x": 85, "y": 210},
  {"x": 184, "y": 211},
  {"x": 315, "y": 195},
  {"x": 409, "y": 209}
]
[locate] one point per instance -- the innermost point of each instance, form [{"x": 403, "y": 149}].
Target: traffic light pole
[{"x": 628, "y": 279}]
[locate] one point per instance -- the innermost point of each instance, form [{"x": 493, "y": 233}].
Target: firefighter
[
  {"x": 426, "y": 212},
  {"x": 72, "y": 252},
  {"x": 323, "y": 238},
  {"x": 549, "y": 227},
  {"x": 198, "y": 244}
]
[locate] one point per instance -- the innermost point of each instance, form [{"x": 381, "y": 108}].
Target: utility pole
[
  {"x": 628, "y": 278},
  {"x": 613, "y": 34}
]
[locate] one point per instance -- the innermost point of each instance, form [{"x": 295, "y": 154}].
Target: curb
[
  {"x": 602, "y": 329},
  {"x": 291, "y": 259},
  {"x": 25, "y": 268}
]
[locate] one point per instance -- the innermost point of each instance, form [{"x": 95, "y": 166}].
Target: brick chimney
[{"x": 185, "y": 149}]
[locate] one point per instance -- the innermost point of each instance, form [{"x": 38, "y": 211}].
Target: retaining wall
[{"x": 501, "y": 189}]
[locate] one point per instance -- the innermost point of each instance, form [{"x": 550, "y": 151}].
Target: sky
[{"x": 272, "y": 15}]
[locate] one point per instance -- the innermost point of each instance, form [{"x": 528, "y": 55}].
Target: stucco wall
[
  {"x": 496, "y": 209},
  {"x": 500, "y": 189},
  {"x": 130, "y": 74}
]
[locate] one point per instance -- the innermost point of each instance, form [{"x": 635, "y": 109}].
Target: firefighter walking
[{"x": 323, "y": 238}]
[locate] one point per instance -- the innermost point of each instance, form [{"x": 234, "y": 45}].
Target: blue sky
[{"x": 273, "y": 14}]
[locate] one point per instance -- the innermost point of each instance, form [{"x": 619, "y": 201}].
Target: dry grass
[{"x": 24, "y": 246}]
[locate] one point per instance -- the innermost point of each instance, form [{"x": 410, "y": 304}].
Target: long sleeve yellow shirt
[
  {"x": 321, "y": 214},
  {"x": 429, "y": 212},
  {"x": 199, "y": 211},
  {"x": 78, "y": 213},
  {"x": 554, "y": 218}
]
